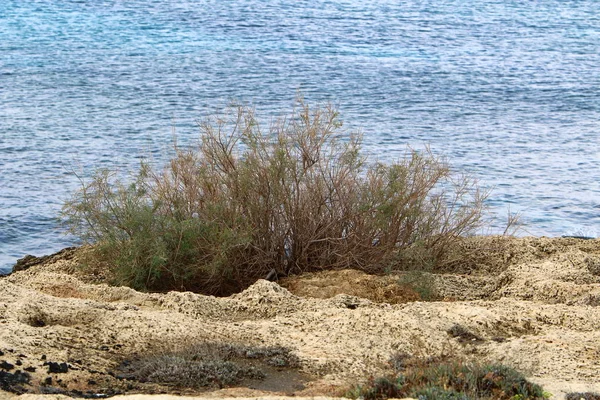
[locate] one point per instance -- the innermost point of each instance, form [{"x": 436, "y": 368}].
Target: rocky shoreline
[{"x": 531, "y": 303}]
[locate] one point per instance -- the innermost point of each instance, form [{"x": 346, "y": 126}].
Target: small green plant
[
  {"x": 421, "y": 283},
  {"x": 439, "y": 393},
  {"x": 452, "y": 381},
  {"x": 379, "y": 388},
  {"x": 296, "y": 197}
]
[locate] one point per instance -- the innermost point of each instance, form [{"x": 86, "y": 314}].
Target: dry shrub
[
  {"x": 297, "y": 197},
  {"x": 593, "y": 264},
  {"x": 206, "y": 364},
  {"x": 583, "y": 396}
]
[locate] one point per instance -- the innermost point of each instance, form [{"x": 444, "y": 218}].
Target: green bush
[
  {"x": 452, "y": 381},
  {"x": 297, "y": 197},
  {"x": 379, "y": 388},
  {"x": 421, "y": 283}
]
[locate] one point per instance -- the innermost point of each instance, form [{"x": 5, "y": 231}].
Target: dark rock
[
  {"x": 6, "y": 365},
  {"x": 29, "y": 261},
  {"x": 30, "y": 369},
  {"x": 463, "y": 334},
  {"x": 43, "y": 356},
  {"x": 25, "y": 263},
  {"x": 126, "y": 376},
  {"x": 350, "y": 303},
  {"x": 48, "y": 380},
  {"x": 18, "y": 362},
  {"x": 36, "y": 322},
  {"x": 57, "y": 368},
  {"x": 272, "y": 275},
  {"x": 1, "y": 353},
  {"x": 14, "y": 382},
  {"x": 50, "y": 389}
]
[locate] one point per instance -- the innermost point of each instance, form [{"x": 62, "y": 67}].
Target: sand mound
[{"x": 532, "y": 303}]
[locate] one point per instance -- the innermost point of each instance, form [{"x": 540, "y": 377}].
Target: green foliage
[
  {"x": 381, "y": 388},
  {"x": 451, "y": 381},
  {"x": 421, "y": 283},
  {"x": 297, "y": 197},
  {"x": 148, "y": 245},
  {"x": 438, "y": 393}
]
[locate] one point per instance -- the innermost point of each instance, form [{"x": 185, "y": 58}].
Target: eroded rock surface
[{"x": 533, "y": 305}]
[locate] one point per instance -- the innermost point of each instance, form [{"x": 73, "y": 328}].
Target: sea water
[{"x": 508, "y": 91}]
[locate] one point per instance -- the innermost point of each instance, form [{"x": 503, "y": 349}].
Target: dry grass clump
[
  {"x": 208, "y": 365},
  {"x": 582, "y": 396},
  {"x": 294, "y": 198},
  {"x": 593, "y": 264}
]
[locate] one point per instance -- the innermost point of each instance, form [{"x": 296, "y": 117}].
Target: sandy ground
[{"x": 533, "y": 302}]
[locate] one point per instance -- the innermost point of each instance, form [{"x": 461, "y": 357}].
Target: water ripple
[{"x": 507, "y": 90}]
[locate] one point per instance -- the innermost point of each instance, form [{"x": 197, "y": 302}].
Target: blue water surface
[{"x": 506, "y": 90}]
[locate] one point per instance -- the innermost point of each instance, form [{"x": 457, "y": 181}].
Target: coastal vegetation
[
  {"x": 209, "y": 365},
  {"x": 451, "y": 380},
  {"x": 248, "y": 202}
]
